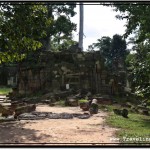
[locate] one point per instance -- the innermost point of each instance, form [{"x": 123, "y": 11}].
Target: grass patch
[
  {"x": 108, "y": 107},
  {"x": 60, "y": 103},
  {"x": 83, "y": 101},
  {"x": 5, "y": 90},
  {"x": 136, "y": 126}
]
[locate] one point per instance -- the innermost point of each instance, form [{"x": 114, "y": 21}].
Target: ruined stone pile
[{"x": 50, "y": 115}]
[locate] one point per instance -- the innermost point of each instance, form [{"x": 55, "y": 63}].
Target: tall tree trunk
[
  {"x": 48, "y": 39},
  {"x": 81, "y": 27},
  {"x": 3, "y": 75},
  {"x": 48, "y": 43}
]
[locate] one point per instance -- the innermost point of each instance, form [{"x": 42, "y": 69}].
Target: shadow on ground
[{"x": 14, "y": 132}]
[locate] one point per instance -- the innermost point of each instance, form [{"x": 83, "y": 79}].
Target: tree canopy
[
  {"x": 138, "y": 22},
  {"x": 28, "y": 27},
  {"x": 61, "y": 27},
  {"x": 138, "y": 65},
  {"x": 113, "y": 50},
  {"x": 137, "y": 17}
]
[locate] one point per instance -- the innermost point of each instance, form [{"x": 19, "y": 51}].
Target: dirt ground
[{"x": 58, "y": 131}]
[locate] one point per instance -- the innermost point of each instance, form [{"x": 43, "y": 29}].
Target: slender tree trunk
[
  {"x": 48, "y": 43},
  {"x": 81, "y": 27},
  {"x": 48, "y": 39},
  {"x": 3, "y": 75}
]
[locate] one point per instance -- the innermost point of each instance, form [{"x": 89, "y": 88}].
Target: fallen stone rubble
[
  {"x": 50, "y": 115},
  {"x": 46, "y": 115}
]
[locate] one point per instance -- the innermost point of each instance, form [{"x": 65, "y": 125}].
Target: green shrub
[
  {"x": 60, "y": 103},
  {"x": 5, "y": 90},
  {"x": 83, "y": 101}
]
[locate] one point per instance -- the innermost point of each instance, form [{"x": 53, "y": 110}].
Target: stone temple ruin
[
  {"x": 54, "y": 71},
  {"x": 62, "y": 76}
]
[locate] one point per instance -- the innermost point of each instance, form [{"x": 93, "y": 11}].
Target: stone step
[
  {"x": 2, "y": 96},
  {"x": 5, "y": 101},
  {"x": 6, "y": 104}
]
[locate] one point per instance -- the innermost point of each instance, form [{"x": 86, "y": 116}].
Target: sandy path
[{"x": 92, "y": 130}]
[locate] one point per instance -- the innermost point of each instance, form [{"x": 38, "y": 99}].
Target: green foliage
[
  {"x": 83, "y": 101},
  {"x": 108, "y": 107},
  {"x": 61, "y": 27},
  {"x": 113, "y": 50},
  {"x": 134, "y": 127},
  {"x": 63, "y": 46},
  {"x": 5, "y": 90},
  {"x": 103, "y": 45},
  {"x": 138, "y": 21},
  {"x": 139, "y": 70},
  {"x": 60, "y": 103},
  {"x": 137, "y": 17},
  {"x": 26, "y": 28},
  {"x": 21, "y": 28}
]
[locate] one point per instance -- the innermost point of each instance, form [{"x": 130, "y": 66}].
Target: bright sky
[{"x": 98, "y": 21}]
